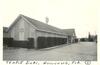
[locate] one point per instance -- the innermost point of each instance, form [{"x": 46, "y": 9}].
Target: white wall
[
  {"x": 22, "y": 26},
  {"x": 46, "y": 34}
]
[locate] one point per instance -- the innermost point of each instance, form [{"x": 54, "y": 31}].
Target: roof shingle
[
  {"x": 44, "y": 26},
  {"x": 69, "y": 31}
]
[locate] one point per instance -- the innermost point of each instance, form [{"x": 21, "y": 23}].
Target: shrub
[
  {"x": 30, "y": 43},
  {"x": 44, "y": 42},
  {"x": 22, "y": 44},
  {"x": 41, "y": 42},
  {"x": 76, "y": 40},
  {"x": 7, "y": 41}
]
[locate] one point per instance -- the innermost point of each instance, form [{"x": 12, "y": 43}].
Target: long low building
[{"x": 31, "y": 33}]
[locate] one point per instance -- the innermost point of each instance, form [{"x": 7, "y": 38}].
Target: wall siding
[
  {"x": 6, "y": 35},
  {"x": 46, "y": 34},
  {"x": 29, "y": 31}
]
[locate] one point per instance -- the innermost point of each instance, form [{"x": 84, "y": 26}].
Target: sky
[{"x": 65, "y": 14}]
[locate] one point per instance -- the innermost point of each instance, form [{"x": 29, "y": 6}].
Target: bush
[
  {"x": 49, "y": 41},
  {"x": 30, "y": 43},
  {"x": 91, "y": 39},
  {"x": 7, "y": 41},
  {"x": 83, "y": 39},
  {"x": 22, "y": 44},
  {"x": 44, "y": 42},
  {"x": 76, "y": 40},
  {"x": 14, "y": 43},
  {"x": 41, "y": 42}
]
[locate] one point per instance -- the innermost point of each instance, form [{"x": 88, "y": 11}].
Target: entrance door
[{"x": 21, "y": 35}]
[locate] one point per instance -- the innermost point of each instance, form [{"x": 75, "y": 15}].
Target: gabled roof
[
  {"x": 69, "y": 31},
  {"x": 43, "y": 26},
  {"x": 40, "y": 25}
]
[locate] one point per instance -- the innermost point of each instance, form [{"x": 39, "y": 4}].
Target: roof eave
[{"x": 13, "y": 23}]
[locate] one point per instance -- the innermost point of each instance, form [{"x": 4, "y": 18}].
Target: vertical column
[
  {"x": 35, "y": 39},
  {"x": 67, "y": 39},
  {"x": 71, "y": 39},
  {"x": 35, "y": 43}
]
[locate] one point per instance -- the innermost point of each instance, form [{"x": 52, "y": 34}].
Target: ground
[{"x": 81, "y": 51}]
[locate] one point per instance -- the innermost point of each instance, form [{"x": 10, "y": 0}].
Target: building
[
  {"x": 71, "y": 35},
  {"x": 28, "y": 32},
  {"x": 5, "y": 34}
]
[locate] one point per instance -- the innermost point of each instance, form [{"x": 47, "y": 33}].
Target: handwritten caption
[{"x": 50, "y": 62}]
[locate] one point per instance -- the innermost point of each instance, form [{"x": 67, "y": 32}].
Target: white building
[{"x": 25, "y": 28}]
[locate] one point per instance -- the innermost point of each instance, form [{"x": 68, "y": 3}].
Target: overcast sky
[{"x": 64, "y": 14}]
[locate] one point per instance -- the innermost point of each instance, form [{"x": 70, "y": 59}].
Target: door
[{"x": 21, "y": 35}]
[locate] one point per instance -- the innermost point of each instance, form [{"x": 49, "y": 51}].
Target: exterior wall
[
  {"x": 21, "y": 26},
  {"x": 49, "y": 43},
  {"x": 71, "y": 39},
  {"x": 46, "y": 34},
  {"x": 28, "y": 31},
  {"x": 6, "y": 35}
]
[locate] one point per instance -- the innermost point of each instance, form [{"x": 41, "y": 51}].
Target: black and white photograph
[{"x": 49, "y": 30}]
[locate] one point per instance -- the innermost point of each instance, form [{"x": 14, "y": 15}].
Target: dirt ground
[{"x": 82, "y": 51}]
